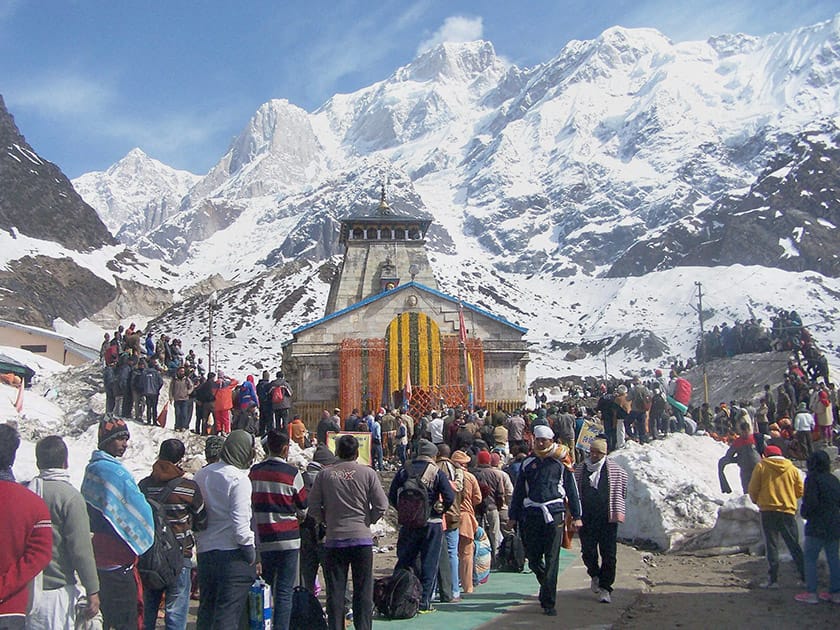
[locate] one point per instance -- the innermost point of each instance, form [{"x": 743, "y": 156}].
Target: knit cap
[{"x": 111, "y": 429}]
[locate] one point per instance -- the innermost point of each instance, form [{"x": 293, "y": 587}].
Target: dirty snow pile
[{"x": 673, "y": 490}]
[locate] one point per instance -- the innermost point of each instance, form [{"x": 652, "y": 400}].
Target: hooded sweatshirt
[{"x": 776, "y": 484}]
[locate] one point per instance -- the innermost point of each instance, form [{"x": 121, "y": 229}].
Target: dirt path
[{"x": 723, "y": 592}]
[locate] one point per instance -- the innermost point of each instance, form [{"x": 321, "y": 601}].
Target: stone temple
[{"x": 390, "y": 337}]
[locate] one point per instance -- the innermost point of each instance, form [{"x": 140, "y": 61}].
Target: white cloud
[
  {"x": 456, "y": 28},
  {"x": 62, "y": 95}
]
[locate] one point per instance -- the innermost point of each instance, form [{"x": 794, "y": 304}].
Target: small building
[
  {"x": 46, "y": 342},
  {"x": 390, "y": 337}
]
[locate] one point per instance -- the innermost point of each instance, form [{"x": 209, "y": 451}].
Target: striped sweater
[
  {"x": 184, "y": 506},
  {"x": 277, "y": 497},
  {"x": 618, "y": 487}
]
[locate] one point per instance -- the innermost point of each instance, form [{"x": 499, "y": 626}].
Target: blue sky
[{"x": 89, "y": 80}]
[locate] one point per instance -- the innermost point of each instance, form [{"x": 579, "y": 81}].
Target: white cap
[{"x": 543, "y": 431}]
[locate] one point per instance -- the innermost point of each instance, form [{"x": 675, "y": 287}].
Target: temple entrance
[{"x": 414, "y": 367}]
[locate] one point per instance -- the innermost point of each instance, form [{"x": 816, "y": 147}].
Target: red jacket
[{"x": 26, "y": 532}]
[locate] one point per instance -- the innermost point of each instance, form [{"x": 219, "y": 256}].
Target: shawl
[{"x": 109, "y": 488}]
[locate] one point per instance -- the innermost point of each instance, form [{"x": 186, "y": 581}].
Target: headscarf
[{"x": 238, "y": 449}]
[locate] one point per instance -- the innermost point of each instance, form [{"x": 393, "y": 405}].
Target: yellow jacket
[{"x": 775, "y": 485}]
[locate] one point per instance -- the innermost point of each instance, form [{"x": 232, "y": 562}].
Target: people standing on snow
[
  {"x": 266, "y": 412},
  {"x": 775, "y": 487},
  {"x": 151, "y": 382},
  {"x": 280, "y": 394},
  {"x": 121, "y": 523},
  {"x": 803, "y": 424},
  {"x": 205, "y": 396},
  {"x": 180, "y": 389},
  {"x": 741, "y": 451}
]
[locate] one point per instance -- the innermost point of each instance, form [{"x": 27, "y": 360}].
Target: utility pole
[
  {"x": 606, "y": 373},
  {"x": 702, "y": 341}
]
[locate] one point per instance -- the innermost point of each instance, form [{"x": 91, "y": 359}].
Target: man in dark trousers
[
  {"x": 281, "y": 401},
  {"x": 423, "y": 541},
  {"x": 544, "y": 484},
  {"x": 603, "y": 488}
]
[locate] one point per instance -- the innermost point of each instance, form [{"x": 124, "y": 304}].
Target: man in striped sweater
[
  {"x": 185, "y": 513},
  {"x": 603, "y": 487},
  {"x": 26, "y": 532},
  {"x": 278, "y": 497}
]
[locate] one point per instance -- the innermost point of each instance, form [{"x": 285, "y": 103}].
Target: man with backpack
[
  {"x": 151, "y": 381},
  {"x": 348, "y": 498},
  {"x": 421, "y": 493},
  {"x": 180, "y": 500},
  {"x": 280, "y": 394}
]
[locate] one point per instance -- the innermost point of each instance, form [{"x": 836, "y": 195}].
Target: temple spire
[{"x": 384, "y": 208}]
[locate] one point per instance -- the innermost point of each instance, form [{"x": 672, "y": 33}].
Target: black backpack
[
  {"x": 307, "y": 613},
  {"x": 398, "y": 596},
  {"x": 511, "y": 553},
  {"x": 161, "y": 564},
  {"x": 413, "y": 507}
]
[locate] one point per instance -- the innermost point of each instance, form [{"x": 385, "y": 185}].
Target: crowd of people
[{"x": 470, "y": 486}]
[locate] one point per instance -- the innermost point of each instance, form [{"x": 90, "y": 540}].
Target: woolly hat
[
  {"x": 772, "y": 451},
  {"x": 426, "y": 449},
  {"x": 237, "y": 449},
  {"x": 213, "y": 446},
  {"x": 111, "y": 429},
  {"x": 324, "y": 456},
  {"x": 460, "y": 457},
  {"x": 543, "y": 431},
  {"x": 598, "y": 444},
  {"x": 495, "y": 459},
  {"x": 483, "y": 458}
]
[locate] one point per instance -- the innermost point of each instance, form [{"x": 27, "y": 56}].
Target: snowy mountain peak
[
  {"x": 136, "y": 194},
  {"x": 462, "y": 62}
]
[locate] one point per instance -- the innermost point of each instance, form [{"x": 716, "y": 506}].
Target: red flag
[
  {"x": 161, "y": 419},
  {"x": 462, "y": 327},
  {"x": 19, "y": 398}
]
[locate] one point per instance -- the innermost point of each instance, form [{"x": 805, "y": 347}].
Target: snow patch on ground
[{"x": 672, "y": 488}]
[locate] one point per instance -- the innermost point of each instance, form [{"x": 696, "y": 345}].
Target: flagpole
[{"x": 462, "y": 334}]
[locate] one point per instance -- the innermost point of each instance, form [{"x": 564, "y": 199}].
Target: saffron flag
[
  {"x": 19, "y": 398},
  {"x": 462, "y": 327},
  {"x": 161, "y": 419},
  {"x": 469, "y": 370}
]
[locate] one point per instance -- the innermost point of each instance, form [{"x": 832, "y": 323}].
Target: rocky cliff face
[
  {"x": 788, "y": 219},
  {"x": 36, "y": 198}
]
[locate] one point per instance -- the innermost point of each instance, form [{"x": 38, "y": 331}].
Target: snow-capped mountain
[
  {"x": 135, "y": 195},
  {"x": 621, "y": 156}
]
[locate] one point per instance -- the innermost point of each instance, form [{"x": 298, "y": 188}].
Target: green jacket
[{"x": 72, "y": 549}]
